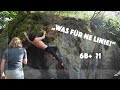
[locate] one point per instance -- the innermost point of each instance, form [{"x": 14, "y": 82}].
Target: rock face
[
  {"x": 93, "y": 68},
  {"x": 31, "y": 73},
  {"x": 42, "y": 65}
]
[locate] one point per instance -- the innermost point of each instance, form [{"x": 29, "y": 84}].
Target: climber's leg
[
  {"x": 52, "y": 50},
  {"x": 56, "y": 50}
]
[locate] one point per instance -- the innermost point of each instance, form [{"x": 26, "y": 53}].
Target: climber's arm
[
  {"x": 42, "y": 37},
  {"x": 27, "y": 37}
]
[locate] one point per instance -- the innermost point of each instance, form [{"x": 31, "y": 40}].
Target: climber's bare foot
[{"x": 62, "y": 65}]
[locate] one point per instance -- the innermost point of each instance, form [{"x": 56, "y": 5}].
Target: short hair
[
  {"x": 31, "y": 37},
  {"x": 15, "y": 42}
]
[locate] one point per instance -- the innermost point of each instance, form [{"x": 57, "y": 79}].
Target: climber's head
[{"x": 31, "y": 36}]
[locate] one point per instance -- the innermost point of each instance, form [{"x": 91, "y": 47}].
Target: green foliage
[
  {"x": 6, "y": 16},
  {"x": 85, "y": 15},
  {"x": 36, "y": 21}
]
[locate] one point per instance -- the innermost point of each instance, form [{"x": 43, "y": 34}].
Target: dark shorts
[{"x": 52, "y": 50}]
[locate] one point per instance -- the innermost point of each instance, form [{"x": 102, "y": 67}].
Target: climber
[{"x": 37, "y": 41}]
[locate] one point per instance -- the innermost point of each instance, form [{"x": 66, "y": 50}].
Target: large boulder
[{"x": 42, "y": 65}]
